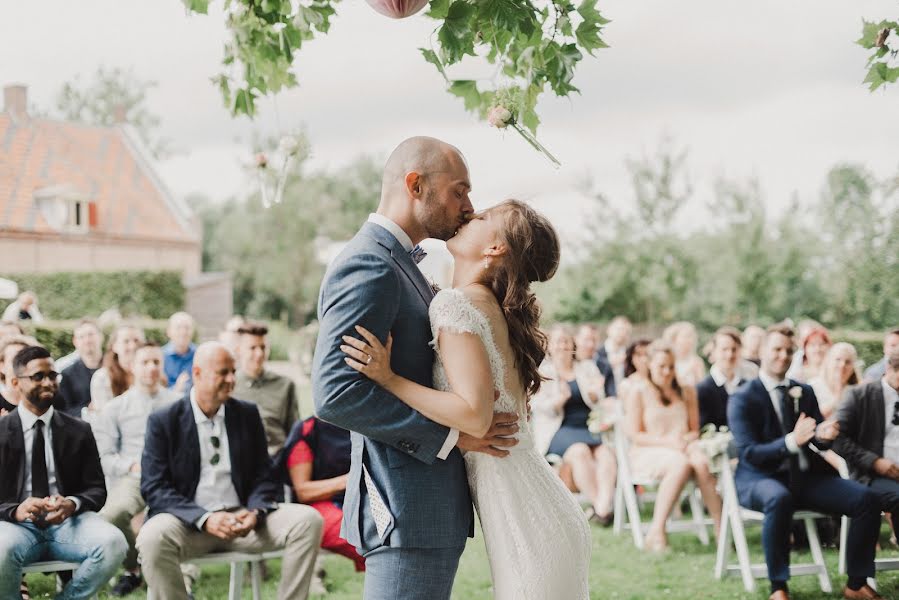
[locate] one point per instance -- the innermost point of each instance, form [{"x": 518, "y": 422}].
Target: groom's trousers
[{"x": 410, "y": 573}]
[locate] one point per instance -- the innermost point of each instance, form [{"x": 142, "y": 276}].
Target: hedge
[{"x": 155, "y": 294}]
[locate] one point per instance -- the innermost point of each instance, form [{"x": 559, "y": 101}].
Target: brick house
[{"x": 77, "y": 197}]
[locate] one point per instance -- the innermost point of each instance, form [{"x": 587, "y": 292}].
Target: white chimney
[{"x": 15, "y": 101}]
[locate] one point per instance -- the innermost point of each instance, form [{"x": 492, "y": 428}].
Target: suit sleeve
[
  {"x": 365, "y": 290},
  {"x": 156, "y": 479},
  {"x": 763, "y": 455},
  {"x": 92, "y": 494},
  {"x": 264, "y": 489},
  {"x": 815, "y": 412},
  {"x": 846, "y": 445},
  {"x": 705, "y": 400}
]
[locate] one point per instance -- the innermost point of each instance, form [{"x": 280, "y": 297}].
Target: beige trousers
[
  {"x": 122, "y": 503},
  {"x": 164, "y": 541}
]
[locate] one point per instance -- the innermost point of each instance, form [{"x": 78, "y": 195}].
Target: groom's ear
[{"x": 414, "y": 184}]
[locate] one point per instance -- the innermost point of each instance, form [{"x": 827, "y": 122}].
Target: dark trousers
[
  {"x": 887, "y": 491},
  {"x": 821, "y": 493}
]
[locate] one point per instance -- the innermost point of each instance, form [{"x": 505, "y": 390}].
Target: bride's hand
[{"x": 369, "y": 357}]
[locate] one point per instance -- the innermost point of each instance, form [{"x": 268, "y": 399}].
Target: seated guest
[
  {"x": 777, "y": 430},
  {"x": 274, "y": 395},
  {"x": 120, "y": 428},
  {"x": 662, "y": 423},
  {"x": 561, "y": 408},
  {"x": 683, "y": 339},
  {"x": 752, "y": 339},
  {"x": 815, "y": 345},
  {"x": 837, "y": 373},
  {"x": 229, "y": 336},
  {"x": 636, "y": 369},
  {"x": 114, "y": 377},
  {"x": 51, "y": 484},
  {"x": 869, "y": 436},
  {"x": 723, "y": 379},
  {"x": 179, "y": 351},
  {"x": 75, "y": 386},
  {"x": 24, "y": 309},
  {"x": 9, "y": 347},
  {"x": 315, "y": 463},
  {"x": 610, "y": 357},
  {"x": 890, "y": 344},
  {"x": 208, "y": 482}
]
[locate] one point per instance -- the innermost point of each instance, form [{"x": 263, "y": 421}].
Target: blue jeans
[{"x": 86, "y": 538}]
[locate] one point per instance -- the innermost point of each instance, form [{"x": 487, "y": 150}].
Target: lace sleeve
[{"x": 451, "y": 311}]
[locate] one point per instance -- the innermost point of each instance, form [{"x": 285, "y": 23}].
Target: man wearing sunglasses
[
  {"x": 206, "y": 477},
  {"x": 869, "y": 435},
  {"x": 51, "y": 485}
]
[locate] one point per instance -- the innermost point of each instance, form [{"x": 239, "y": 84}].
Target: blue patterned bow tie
[{"x": 417, "y": 254}]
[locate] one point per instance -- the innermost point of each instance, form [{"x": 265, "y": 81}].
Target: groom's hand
[{"x": 496, "y": 438}]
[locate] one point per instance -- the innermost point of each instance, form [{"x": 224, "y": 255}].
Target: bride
[{"x": 488, "y": 348}]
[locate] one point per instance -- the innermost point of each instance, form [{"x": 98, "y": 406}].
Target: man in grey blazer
[
  {"x": 407, "y": 508},
  {"x": 869, "y": 435}
]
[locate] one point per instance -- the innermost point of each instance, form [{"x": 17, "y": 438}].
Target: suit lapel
[
  {"x": 411, "y": 270},
  {"x": 232, "y": 427},
  {"x": 191, "y": 442},
  {"x": 879, "y": 416},
  {"x": 764, "y": 399},
  {"x": 17, "y": 448}
]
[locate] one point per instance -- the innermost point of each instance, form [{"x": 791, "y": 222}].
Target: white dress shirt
[
  {"x": 616, "y": 360},
  {"x": 29, "y": 419},
  {"x": 215, "y": 490},
  {"x": 891, "y": 432},
  {"x": 790, "y": 439},
  {"x": 403, "y": 238},
  {"x": 720, "y": 379}
]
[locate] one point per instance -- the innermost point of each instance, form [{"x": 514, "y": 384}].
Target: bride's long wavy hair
[{"x": 532, "y": 254}]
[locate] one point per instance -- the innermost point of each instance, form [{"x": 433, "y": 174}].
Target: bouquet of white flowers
[{"x": 714, "y": 442}]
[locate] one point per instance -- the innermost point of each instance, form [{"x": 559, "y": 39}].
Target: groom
[{"x": 407, "y": 507}]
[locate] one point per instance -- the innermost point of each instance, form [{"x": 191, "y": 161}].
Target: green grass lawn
[{"x": 618, "y": 571}]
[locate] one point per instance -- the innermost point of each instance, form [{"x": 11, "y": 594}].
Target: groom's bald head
[{"x": 425, "y": 188}]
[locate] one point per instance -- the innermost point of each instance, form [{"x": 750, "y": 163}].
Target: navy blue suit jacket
[
  {"x": 712, "y": 402},
  {"x": 374, "y": 283},
  {"x": 759, "y": 437},
  {"x": 170, "y": 466}
]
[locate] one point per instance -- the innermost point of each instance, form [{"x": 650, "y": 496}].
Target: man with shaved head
[
  {"x": 407, "y": 508},
  {"x": 206, "y": 477}
]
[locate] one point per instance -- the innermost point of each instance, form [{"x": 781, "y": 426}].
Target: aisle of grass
[{"x": 618, "y": 572}]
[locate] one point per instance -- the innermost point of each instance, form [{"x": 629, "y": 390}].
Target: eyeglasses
[
  {"x": 41, "y": 375},
  {"x": 896, "y": 413},
  {"x": 216, "y": 442}
]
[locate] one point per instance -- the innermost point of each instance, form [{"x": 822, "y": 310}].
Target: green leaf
[
  {"x": 439, "y": 9},
  {"x": 197, "y": 6},
  {"x": 431, "y": 57},
  {"x": 468, "y": 91},
  {"x": 456, "y": 36},
  {"x": 587, "y": 33},
  {"x": 869, "y": 34}
]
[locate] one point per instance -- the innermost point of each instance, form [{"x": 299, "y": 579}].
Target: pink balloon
[{"x": 397, "y": 9}]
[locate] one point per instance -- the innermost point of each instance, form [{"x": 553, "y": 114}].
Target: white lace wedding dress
[{"x": 537, "y": 537}]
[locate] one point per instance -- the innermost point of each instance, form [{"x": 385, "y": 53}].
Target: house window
[
  {"x": 78, "y": 216},
  {"x": 66, "y": 210}
]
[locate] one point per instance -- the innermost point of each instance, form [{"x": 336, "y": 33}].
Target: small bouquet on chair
[
  {"x": 714, "y": 441},
  {"x": 600, "y": 421}
]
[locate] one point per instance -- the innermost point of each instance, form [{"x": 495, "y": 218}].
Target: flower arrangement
[
  {"x": 714, "y": 441},
  {"x": 503, "y": 115}
]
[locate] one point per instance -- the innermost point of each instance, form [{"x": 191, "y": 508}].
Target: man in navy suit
[
  {"x": 407, "y": 507},
  {"x": 723, "y": 379},
  {"x": 778, "y": 430},
  {"x": 207, "y": 480},
  {"x": 609, "y": 358}
]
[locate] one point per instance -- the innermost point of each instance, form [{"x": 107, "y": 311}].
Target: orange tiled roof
[{"x": 98, "y": 162}]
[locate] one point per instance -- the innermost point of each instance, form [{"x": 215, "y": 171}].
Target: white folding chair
[
  {"x": 735, "y": 516},
  {"x": 51, "y": 566},
  {"x": 627, "y": 505}
]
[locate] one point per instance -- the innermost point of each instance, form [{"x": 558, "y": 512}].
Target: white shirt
[
  {"x": 616, "y": 355},
  {"x": 891, "y": 432},
  {"x": 790, "y": 439},
  {"x": 29, "y": 419},
  {"x": 403, "y": 238},
  {"x": 720, "y": 379},
  {"x": 215, "y": 491}
]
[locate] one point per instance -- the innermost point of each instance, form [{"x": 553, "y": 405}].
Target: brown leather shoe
[
  {"x": 866, "y": 592},
  {"x": 779, "y": 595}
]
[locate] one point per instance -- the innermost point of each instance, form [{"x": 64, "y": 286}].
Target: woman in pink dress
[{"x": 662, "y": 423}]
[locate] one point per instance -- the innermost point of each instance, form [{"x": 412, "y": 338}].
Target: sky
[{"x": 765, "y": 89}]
